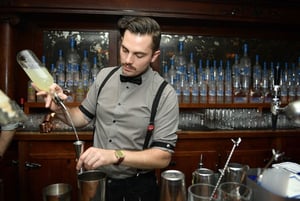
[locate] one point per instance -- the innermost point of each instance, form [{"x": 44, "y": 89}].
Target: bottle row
[
  {"x": 240, "y": 82},
  {"x": 73, "y": 74}
]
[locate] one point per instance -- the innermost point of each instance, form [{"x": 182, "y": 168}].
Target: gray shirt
[{"x": 123, "y": 114}]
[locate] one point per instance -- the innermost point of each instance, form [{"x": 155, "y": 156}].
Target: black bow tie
[{"x": 136, "y": 80}]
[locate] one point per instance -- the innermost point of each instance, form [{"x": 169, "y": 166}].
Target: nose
[{"x": 129, "y": 58}]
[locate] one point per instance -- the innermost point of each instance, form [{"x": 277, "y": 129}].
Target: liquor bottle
[
  {"x": 53, "y": 72},
  {"x": 212, "y": 93},
  {"x": 180, "y": 60},
  {"x": 245, "y": 72},
  {"x": 228, "y": 84},
  {"x": 292, "y": 83},
  {"x": 195, "y": 90},
  {"x": 72, "y": 57},
  {"x": 35, "y": 69},
  {"x": 85, "y": 67},
  {"x": 199, "y": 70},
  {"x": 166, "y": 73},
  {"x": 80, "y": 92},
  {"x": 220, "y": 83},
  {"x": 203, "y": 88},
  {"x": 191, "y": 66},
  {"x": 239, "y": 95},
  {"x": 186, "y": 92},
  {"x": 284, "y": 86},
  {"x": 256, "y": 95},
  {"x": 94, "y": 69},
  {"x": 172, "y": 73},
  {"x": 61, "y": 69},
  {"x": 298, "y": 80},
  {"x": 266, "y": 89}
]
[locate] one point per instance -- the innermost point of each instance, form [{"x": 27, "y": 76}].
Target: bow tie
[{"x": 136, "y": 80}]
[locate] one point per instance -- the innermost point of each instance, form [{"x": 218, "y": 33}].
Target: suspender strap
[
  {"x": 105, "y": 80},
  {"x": 150, "y": 127}
]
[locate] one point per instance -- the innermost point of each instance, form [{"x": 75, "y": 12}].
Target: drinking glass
[
  {"x": 233, "y": 191},
  {"x": 202, "y": 192}
]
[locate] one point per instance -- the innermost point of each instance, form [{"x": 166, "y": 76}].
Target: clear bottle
[
  {"x": 80, "y": 92},
  {"x": 212, "y": 93},
  {"x": 203, "y": 89},
  {"x": 239, "y": 95},
  {"x": 266, "y": 90},
  {"x": 283, "y": 86},
  {"x": 256, "y": 95},
  {"x": 166, "y": 73},
  {"x": 298, "y": 80},
  {"x": 85, "y": 66},
  {"x": 228, "y": 84},
  {"x": 191, "y": 66},
  {"x": 94, "y": 69},
  {"x": 195, "y": 90},
  {"x": 172, "y": 73},
  {"x": 186, "y": 91},
  {"x": 292, "y": 83},
  {"x": 72, "y": 57},
  {"x": 220, "y": 83},
  {"x": 36, "y": 71},
  {"x": 245, "y": 72},
  {"x": 61, "y": 69},
  {"x": 180, "y": 59}
]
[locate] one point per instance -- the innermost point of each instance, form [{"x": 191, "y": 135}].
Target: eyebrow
[{"x": 142, "y": 53}]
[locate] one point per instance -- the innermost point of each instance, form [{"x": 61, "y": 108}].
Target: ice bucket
[{"x": 57, "y": 192}]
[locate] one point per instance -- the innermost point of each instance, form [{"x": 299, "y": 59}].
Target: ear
[{"x": 155, "y": 55}]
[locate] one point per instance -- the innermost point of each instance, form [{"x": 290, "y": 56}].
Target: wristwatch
[{"x": 120, "y": 156}]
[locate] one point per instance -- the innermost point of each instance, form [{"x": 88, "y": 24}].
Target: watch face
[{"x": 119, "y": 154}]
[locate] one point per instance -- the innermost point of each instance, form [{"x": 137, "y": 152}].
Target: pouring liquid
[
  {"x": 59, "y": 101},
  {"x": 41, "y": 77}
]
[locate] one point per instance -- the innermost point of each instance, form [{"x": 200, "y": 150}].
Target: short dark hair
[{"x": 141, "y": 25}]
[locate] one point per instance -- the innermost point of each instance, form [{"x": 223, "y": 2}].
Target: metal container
[
  {"x": 172, "y": 186},
  {"x": 57, "y": 192},
  {"x": 236, "y": 172},
  {"x": 203, "y": 175},
  {"x": 92, "y": 185}
]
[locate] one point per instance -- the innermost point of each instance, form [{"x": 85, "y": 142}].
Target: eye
[
  {"x": 139, "y": 55},
  {"x": 125, "y": 50}
]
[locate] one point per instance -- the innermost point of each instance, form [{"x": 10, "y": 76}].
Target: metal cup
[
  {"x": 92, "y": 185},
  {"x": 172, "y": 186},
  {"x": 203, "y": 175},
  {"x": 236, "y": 172},
  {"x": 57, "y": 192},
  {"x": 79, "y": 148}
]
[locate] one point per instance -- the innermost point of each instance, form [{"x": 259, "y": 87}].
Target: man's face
[{"x": 136, "y": 53}]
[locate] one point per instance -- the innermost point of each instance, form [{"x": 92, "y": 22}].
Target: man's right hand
[{"x": 55, "y": 90}]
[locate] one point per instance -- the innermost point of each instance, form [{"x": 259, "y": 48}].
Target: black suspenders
[{"x": 150, "y": 127}]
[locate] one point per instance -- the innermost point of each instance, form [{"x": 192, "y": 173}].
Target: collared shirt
[{"x": 123, "y": 114}]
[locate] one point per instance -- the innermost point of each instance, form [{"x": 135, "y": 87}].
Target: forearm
[
  {"x": 153, "y": 158},
  {"x": 74, "y": 113}
]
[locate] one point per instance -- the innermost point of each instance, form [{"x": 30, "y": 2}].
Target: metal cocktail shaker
[{"x": 172, "y": 186}]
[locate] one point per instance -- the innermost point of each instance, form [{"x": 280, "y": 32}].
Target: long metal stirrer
[{"x": 235, "y": 144}]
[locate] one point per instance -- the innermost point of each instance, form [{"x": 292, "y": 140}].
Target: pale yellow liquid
[{"x": 40, "y": 77}]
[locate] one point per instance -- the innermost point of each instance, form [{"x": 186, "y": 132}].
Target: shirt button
[
  {"x": 114, "y": 121},
  {"x": 109, "y": 140},
  {"x": 119, "y": 103}
]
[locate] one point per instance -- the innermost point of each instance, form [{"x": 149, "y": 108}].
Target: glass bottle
[
  {"x": 36, "y": 71},
  {"x": 256, "y": 95},
  {"x": 228, "y": 84},
  {"x": 266, "y": 90},
  {"x": 180, "y": 60}
]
